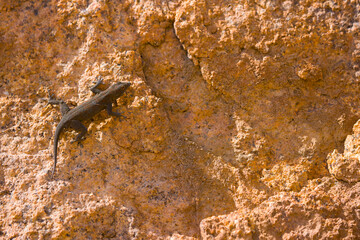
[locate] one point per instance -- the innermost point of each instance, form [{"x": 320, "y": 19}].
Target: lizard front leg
[
  {"x": 94, "y": 88},
  {"x": 110, "y": 111}
]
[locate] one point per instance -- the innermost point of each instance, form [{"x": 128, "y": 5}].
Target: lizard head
[{"x": 117, "y": 89}]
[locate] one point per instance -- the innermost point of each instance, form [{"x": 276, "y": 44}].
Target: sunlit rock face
[{"x": 240, "y": 122}]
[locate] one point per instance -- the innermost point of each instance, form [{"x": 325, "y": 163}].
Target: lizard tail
[{"x": 56, "y": 140}]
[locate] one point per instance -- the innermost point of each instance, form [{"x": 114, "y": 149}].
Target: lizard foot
[{"x": 99, "y": 81}]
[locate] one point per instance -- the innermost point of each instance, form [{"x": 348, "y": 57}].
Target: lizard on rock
[{"x": 72, "y": 118}]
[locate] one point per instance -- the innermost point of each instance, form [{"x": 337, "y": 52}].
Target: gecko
[{"x": 72, "y": 117}]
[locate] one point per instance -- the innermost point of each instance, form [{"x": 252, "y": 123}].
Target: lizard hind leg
[
  {"x": 64, "y": 108},
  {"x": 78, "y": 126}
]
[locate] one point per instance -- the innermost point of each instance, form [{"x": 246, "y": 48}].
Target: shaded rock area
[{"x": 241, "y": 120}]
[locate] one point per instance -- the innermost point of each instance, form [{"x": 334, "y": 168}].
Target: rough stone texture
[
  {"x": 346, "y": 166},
  {"x": 236, "y": 120}
]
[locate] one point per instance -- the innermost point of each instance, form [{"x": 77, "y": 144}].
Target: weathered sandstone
[{"x": 241, "y": 120}]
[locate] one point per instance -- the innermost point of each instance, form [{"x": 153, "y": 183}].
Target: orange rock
[{"x": 233, "y": 108}]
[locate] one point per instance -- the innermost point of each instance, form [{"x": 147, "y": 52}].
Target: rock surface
[
  {"x": 346, "y": 166},
  {"x": 238, "y": 121}
]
